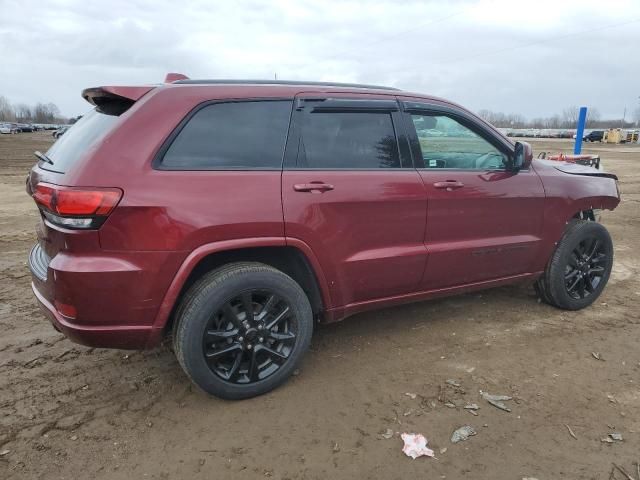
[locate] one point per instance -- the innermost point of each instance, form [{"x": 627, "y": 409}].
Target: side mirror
[{"x": 522, "y": 157}]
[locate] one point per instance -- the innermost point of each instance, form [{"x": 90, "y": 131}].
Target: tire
[
  {"x": 212, "y": 319},
  {"x": 541, "y": 290},
  {"x": 579, "y": 268}
]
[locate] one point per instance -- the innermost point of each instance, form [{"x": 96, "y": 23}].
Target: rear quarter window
[{"x": 231, "y": 136}]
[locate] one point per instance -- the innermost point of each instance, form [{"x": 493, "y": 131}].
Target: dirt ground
[{"x": 67, "y": 411}]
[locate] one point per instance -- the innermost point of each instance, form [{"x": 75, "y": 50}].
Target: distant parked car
[
  {"x": 60, "y": 131},
  {"x": 594, "y": 136},
  {"x": 24, "y": 127},
  {"x": 8, "y": 128}
]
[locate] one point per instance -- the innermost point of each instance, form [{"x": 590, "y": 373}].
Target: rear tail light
[{"x": 73, "y": 207}]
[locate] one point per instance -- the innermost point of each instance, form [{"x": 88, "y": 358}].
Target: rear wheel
[
  {"x": 580, "y": 267},
  {"x": 242, "y": 329}
]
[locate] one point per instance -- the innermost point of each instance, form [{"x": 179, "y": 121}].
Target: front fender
[{"x": 567, "y": 194}]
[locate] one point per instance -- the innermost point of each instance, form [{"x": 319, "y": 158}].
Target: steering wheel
[{"x": 487, "y": 161}]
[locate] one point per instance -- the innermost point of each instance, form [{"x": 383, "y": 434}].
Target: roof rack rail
[{"x": 279, "y": 82}]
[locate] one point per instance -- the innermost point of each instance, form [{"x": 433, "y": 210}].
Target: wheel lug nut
[
  {"x": 249, "y": 347},
  {"x": 261, "y": 339},
  {"x": 240, "y": 339},
  {"x": 260, "y": 327}
]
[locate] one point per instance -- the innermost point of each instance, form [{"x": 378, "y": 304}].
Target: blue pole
[{"x": 582, "y": 118}]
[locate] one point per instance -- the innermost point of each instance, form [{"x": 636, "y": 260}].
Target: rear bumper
[
  {"x": 126, "y": 337},
  {"x": 115, "y": 295}
]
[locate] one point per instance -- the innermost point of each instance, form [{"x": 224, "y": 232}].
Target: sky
[{"x": 532, "y": 57}]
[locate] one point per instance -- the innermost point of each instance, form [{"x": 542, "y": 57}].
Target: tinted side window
[
  {"x": 346, "y": 140},
  {"x": 445, "y": 143},
  {"x": 241, "y": 135}
]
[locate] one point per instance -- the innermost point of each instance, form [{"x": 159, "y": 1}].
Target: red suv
[{"x": 236, "y": 214}]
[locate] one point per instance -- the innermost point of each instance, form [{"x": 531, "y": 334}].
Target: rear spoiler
[
  {"x": 117, "y": 100},
  {"x": 114, "y": 100}
]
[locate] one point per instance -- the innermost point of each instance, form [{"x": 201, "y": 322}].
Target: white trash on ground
[{"x": 415, "y": 445}]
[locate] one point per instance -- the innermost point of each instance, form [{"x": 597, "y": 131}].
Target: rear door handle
[
  {"x": 314, "y": 187},
  {"x": 449, "y": 184}
]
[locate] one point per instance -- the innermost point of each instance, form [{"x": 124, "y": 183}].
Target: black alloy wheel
[
  {"x": 585, "y": 268},
  {"x": 579, "y": 269},
  {"x": 241, "y": 330},
  {"x": 250, "y": 337}
]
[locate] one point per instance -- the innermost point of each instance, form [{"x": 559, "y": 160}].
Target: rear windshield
[{"x": 68, "y": 149}]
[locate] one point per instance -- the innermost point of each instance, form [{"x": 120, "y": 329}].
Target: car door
[
  {"x": 484, "y": 222},
  {"x": 350, "y": 193}
]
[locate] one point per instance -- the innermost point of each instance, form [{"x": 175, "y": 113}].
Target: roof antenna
[{"x": 275, "y": 76}]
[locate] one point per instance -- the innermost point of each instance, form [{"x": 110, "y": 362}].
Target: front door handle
[
  {"x": 314, "y": 187},
  {"x": 449, "y": 184}
]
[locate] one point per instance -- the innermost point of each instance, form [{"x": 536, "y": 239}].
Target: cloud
[{"x": 532, "y": 58}]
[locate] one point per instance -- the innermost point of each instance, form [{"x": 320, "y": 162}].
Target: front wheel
[
  {"x": 579, "y": 268},
  {"x": 242, "y": 330}
]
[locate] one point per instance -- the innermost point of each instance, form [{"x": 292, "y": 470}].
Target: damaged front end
[
  {"x": 586, "y": 160},
  {"x": 579, "y": 169}
]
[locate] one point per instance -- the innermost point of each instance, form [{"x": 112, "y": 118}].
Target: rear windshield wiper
[{"x": 43, "y": 157}]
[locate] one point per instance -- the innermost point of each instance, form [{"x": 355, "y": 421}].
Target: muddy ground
[{"x": 67, "y": 411}]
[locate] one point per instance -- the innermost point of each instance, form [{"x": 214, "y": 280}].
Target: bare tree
[
  {"x": 593, "y": 117},
  {"x": 553, "y": 122},
  {"x": 570, "y": 116},
  {"x": 40, "y": 113},
  {"x": 516, "y": 120},
  {"x": 567, "y": 120},
  {"x": 46, "y": 113},
  {"x": 6, "y": 110},
  {"x": 484, "y": 114},
  {"x": 54, "y": 112},
  {"x": 23, "y": 112},
  {"x": 499, "y": 119}
]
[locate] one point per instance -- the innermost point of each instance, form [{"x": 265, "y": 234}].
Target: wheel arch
[
  {"x": 299, "y": 263},
  {"x": 560, "y": 210},
  {"x": 585, "y": 208},
  {"x": 587, "y": 214}
]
